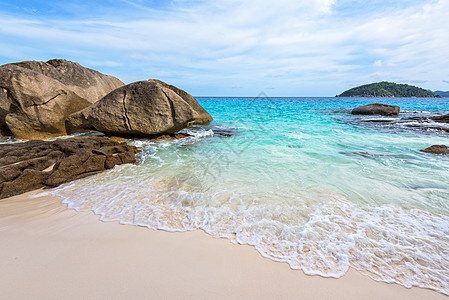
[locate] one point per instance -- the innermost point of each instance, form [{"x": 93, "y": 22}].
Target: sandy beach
[{"x": 51, "y": 252}]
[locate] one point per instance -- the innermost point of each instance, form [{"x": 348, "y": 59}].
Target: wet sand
[{"x": 50, "y": 252}]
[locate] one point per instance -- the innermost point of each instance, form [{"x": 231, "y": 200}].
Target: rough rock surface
[
  {"x": 44, "y": 94},
  {"x": 377, "y": 109},
  {"x": 5, "y": 105},
  {"x": 437, "y": 149},
  {"x": 441, "y": 119},
  {"x": 34, "y": 164},
  {"x": 143, "y": 108}
]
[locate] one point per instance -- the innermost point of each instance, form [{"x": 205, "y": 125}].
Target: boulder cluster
[
  {"x": 40, "y": 100},
  {"x": 59, "y": 97}
]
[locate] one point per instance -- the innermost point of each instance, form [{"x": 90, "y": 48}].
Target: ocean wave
[
  {"x": 389, "y": 243},
  {"x": 198, "y": 132}
]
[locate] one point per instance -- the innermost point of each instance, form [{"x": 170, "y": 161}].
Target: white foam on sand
[{"x": 320, "y": 233}]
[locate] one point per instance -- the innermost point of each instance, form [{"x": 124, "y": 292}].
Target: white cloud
[{"x": 207, "y": 47}]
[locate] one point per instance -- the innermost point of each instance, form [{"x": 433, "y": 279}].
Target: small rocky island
[
  {"x": 387, "y": 89},
  {"x": 40, "y": 100}
]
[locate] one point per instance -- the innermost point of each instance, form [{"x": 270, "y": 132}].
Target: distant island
[
  {"x": 442, "y": 93},
  {"x": 387, "y": 89}
]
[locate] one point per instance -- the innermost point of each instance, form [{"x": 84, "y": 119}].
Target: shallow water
[{"x": 300, "y": 179}]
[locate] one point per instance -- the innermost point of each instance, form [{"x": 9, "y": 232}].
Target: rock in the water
[
  {"x": 377, "y": 109},
  {"x": 35, "y": 164},
  {"x": 441, "y": 119},
  {"x": 5, "y": 105},
  {"x": 437, "y": 149},
  {"x": 44, "y": 94},
  {"x": 172, "y": 136},
  {"x": 143, "y": 108}
]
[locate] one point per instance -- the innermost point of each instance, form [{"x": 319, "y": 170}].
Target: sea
[{"x": 302, "y": 180}]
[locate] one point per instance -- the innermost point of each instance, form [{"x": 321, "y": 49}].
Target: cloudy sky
[{"x": 238, "y": 47}]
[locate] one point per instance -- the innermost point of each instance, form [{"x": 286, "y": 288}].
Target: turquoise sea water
[{"x": 300, "y": 179}]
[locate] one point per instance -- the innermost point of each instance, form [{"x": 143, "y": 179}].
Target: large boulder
[
  {"x": 143, "y": 108},
  {"x": 5, "y": 106},
  {"x": 377, "y": 109},
  {"x": 44, "y": 94},
  {"x": 437, "y": 149},
  {"x": 34, "y": 164}
]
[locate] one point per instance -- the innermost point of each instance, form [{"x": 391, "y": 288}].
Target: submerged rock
[
  {"x": 172, "y": 136},
  {"x": 377, "y": 109},
  {"x": 437, "y": 149},
  {"x": 441, "y": 119},
  {"x": 34, "y": 164},
  {"x": 44, "y": 94},
  {"x": 416, "y": 121},
  {"x": 143, "y": 108}
]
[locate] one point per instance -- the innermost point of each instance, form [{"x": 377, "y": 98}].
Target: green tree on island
[{"x": 387, "y": 89}]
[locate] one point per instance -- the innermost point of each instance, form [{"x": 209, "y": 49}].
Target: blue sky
[{"x": 238, "y": 48}]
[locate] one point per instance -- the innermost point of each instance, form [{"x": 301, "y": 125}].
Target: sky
[{"x": 282, "y": 48}]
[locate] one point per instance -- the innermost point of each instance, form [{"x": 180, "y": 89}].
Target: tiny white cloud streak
[{"x": 299, "y": 48}]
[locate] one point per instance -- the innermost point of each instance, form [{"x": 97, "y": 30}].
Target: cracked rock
[
  {"x": 35, "y": 164},
  {"x": 143, "y": 108}
]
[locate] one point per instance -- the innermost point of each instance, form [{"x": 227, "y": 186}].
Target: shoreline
[{"x": 53, "y": 252}]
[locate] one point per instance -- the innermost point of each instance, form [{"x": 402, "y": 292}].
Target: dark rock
[
  {"x": 35, "y": 164},
  {"x": 437, "y": 149},
  {"x": 441, "y": 119},
  {"x": 27, "y": 181},
  {"x": 377, "y": 109},
  {"x": 43, "y": 94},
  {"x": 5, "y": 106},
  {"x": 143, "y": 108}
]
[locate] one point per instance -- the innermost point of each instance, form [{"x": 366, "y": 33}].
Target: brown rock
[
  {"x": 73, "y": 166},
  {"x": 5, "y": 106},
  {"x": 34, "y": 164},
  {"x": 86, "y": 83},
  {"x": 111, "y": 161},
  {"x": 28, "y": 180},
  {"x": 437, "y": 149},
  {"x": 44, "y": 94},
  {"x": 143, "y": 108},
  {"x": 79, "y": 121},
  {"x": 114, "y": 138},
  {"x": 441, "y": 119},
  {"x": 126, "y": 157},
  {"x": 377, "y": 109},
  {"x": 172, "y": 136}
]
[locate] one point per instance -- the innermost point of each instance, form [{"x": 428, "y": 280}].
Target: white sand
[{"x": 50, "y": 252}]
